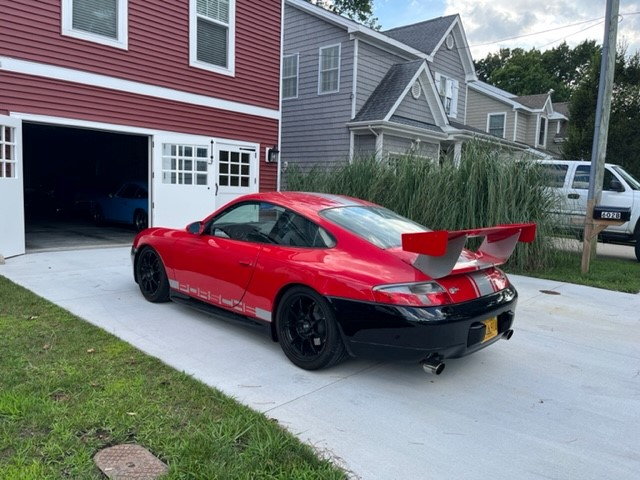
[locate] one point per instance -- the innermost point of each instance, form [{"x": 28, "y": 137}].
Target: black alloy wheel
[
  {"x": 307, "y": 330},
  {"x": 152, "y": 278},
  {"x": 140, "y": 220}
]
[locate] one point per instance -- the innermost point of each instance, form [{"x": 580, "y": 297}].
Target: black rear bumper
[{"x": 377, "y": 330}]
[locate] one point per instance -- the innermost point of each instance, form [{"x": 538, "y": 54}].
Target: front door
[
  {"x": 237, "y": 172},
  {"x": 11, "y": 188}
]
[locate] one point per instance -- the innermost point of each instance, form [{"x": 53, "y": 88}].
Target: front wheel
[
  {"x": 638, "y": 248},
  {"x": 140, "y": 220},
  {"x": 152, "y": 278},
  {"x": 307, "y": 330}
]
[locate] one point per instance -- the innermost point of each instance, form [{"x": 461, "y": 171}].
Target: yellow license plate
[{"x": 491, "y": 328}]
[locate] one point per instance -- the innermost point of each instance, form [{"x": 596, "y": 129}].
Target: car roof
[
  {"x": 309, "y": 203},
  {"x": 576, "y": 162}
]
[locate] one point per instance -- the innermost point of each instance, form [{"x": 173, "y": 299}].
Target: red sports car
[{"x": 331, "y": 276}]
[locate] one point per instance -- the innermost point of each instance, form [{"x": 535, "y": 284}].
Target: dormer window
[
  {"x": 212, "y": 35},
  {"x": 99, "y": 21}
]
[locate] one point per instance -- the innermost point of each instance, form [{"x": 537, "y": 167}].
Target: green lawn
[
  {"x": 608, "y": 273},
  {"x": 68, "y": 389}
]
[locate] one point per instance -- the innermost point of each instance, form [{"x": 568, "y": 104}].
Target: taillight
[{"x": 412, "y": 294}]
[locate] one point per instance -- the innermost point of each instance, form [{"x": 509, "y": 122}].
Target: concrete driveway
[{"x": 560, "y": 400}]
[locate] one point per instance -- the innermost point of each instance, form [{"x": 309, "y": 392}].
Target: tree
[
  {"x": 358, "y": 10},
  {"x": 523, "y": 72},
  {"x": 623, "y": 144}
]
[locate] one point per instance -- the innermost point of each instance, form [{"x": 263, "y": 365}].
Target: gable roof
[
  {"x": 562, "y": 108},
  {"x": 388, "y": 91},
  {"x": 536, "y": 102},
  {"x": 424, "y": 36}
]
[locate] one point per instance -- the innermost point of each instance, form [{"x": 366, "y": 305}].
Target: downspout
[{"x": 279, "y": 163}]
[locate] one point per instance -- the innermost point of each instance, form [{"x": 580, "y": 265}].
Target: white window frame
[
  {"x": 453, "y": 109},
  {"x": 123, "y": 37},
  {"x": 297, "y": 76},
  {"x": 504, "y": 122},
  {"x": 326, "y": 47},
  {"x": 193, "y": 41}
]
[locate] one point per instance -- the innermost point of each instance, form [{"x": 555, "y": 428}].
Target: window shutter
[
  {"x": 212, "y": 43},
  {"x": 454, "y": 98},
  {"x": 438, "y": 79},
  {"x": 96, "y": 16}
]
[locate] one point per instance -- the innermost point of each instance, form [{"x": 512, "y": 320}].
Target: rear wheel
[
  {"x": 140, "y": 220},
  {"x": 638, "y": 246},
  {"x": 307, "y": 330},
  {"x": 152, "y": 278}
]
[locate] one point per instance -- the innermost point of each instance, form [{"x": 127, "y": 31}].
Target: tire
[
  {"x": 151, "y": 275},
  {"x": 140, "y": 220},
  {"x": 307, "y": 330},
  {"x": 637, "y": 247},
  {"x": 98, "y": 216}
]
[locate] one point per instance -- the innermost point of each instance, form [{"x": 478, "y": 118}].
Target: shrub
[{"x": 491, "y": 186}]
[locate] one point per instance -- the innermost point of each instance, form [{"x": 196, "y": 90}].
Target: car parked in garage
[
  {"x": 332, "y": 276},
  {"x": 569, "y": 180},
  {"x": 129, "y": 205}
]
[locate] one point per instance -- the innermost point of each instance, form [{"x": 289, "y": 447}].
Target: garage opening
[{"x": 83, "y": 188}]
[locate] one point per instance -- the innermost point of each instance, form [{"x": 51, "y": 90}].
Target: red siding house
[{"x": 186, "y": 92}]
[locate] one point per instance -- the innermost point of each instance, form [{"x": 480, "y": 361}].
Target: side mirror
[
  {"x": 615, "y": 185},
  {"x": 195, "y": 228}
]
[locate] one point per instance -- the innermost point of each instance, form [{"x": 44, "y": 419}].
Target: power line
[
  {"x": 601, "y": 20},
  {"x": 571, "y": 34}
]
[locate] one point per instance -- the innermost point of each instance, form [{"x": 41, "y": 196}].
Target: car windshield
[
  {"x": 377, "y": 225},
  {"x": 633, "y": 183}
]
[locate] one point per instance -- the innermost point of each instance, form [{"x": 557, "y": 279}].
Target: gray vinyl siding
[
  {"x": 448, "y": 63},
  {"x": 479, "y": 106},
  {"x": 373, "y": 65},
  {"x": 364, "y": 145},
  {"x": 314, "y": 126},
  {"x": 415, "y": 109},
  {"x": 400, "y": 145},
  {"x": 523, "y": 128},
  {"x": 532, "y": 124},
  {"x": 551, "y": 135}
]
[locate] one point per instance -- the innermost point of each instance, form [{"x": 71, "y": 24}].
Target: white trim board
[
  {"x": 113, "y": 127},
  {"x": 104, "y": 81}
]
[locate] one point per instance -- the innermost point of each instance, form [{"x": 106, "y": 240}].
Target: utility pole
[{"x": 601, "y": 131}]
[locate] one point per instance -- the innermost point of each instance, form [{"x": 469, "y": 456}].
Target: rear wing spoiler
[{"x": 440, "y": 250}]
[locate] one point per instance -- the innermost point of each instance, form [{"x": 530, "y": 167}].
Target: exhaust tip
[
  {"x": 435, "y": 367},
  {"x": 507, "y": 335}
]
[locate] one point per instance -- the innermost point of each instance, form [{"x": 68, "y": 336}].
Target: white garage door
[
  {"x": 11, "y": 188},
  {"x": 194, "y": 175}
]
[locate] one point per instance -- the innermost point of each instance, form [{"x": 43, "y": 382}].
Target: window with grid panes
[
  {"x": 184, "y": 164},
  {"x": 7, "y": 152},
  {"x": 213, "y": 31},
  {"x": 290, "y": 76},
  {"x": 496, "y": 124},
  {"x": 101, "y": 21},
  {"x": 234, "y": 169},
  {"x": 329, "y": 69}
]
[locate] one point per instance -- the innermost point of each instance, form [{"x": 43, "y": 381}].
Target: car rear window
[
  {"x": 554, "y": 175},
  {"x": 377, "y": 225}
]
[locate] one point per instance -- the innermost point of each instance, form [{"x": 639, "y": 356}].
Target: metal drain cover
[{"x": 129, "y": 462}]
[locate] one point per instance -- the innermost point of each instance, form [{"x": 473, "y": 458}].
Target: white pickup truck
[{"x": 569, "y": 179}]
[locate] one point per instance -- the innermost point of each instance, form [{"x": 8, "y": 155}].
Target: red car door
[{"x": 214, "y": 269}]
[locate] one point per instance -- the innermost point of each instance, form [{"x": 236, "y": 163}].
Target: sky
[{"x": 489, "y": 23}]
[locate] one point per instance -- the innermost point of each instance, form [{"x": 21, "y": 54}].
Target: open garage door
[
  {"x": 11, "y": 190},
  {"x": 194, "y": 175}
]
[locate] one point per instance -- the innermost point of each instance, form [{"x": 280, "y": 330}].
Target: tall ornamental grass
[{"x": 491, "y": 186}]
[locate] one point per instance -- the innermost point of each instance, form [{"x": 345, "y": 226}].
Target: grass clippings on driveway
[{"x": 69, "y": 389}]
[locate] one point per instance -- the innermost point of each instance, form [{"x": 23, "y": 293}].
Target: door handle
[
  {"x": 245, "y": 263},
  {"x": 573, "y": 196},
  {"x": 216, "y": 189}
]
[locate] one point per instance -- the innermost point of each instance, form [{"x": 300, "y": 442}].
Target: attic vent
[
  {"x": 450, "y": 41},
  {"x": 415, "y": 90}
]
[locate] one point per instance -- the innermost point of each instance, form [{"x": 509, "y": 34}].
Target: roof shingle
[
  {"x": 388, "y": 91},
  {"x": 424, "y": 36}
]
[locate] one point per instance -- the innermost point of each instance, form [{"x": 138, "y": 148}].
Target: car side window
[
  {"x": 249, "y": 222},
  {"x": 294, "y": 230},
  {"x": 128, "y": 191},
  {"x": 554, "y": 175},
  {"x": 581, "y": 178}
]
